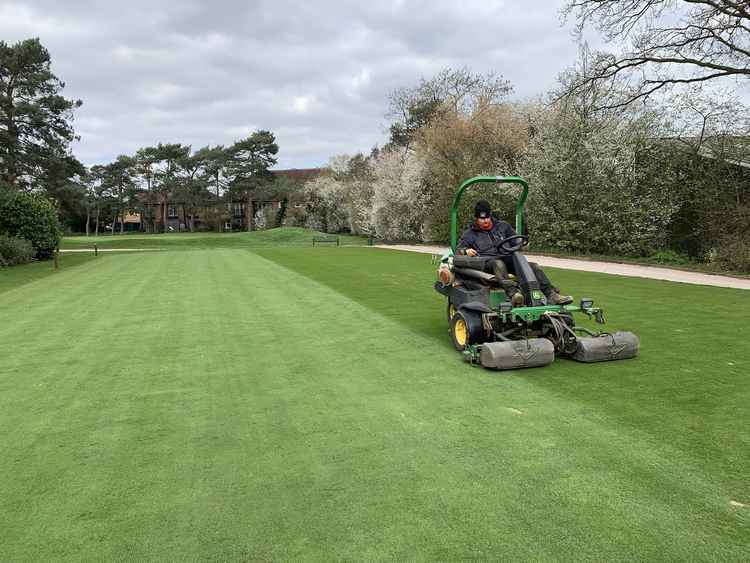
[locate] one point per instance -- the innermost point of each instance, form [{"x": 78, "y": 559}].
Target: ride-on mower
[{"x": 491, "y": 332}]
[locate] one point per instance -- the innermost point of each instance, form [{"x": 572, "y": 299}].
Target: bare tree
[
  {"x": 666, "y": 42},
  {"x": 457, "y": 90}
]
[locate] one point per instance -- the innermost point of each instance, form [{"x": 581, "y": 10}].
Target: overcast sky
[{"x": 315, "y": 73}]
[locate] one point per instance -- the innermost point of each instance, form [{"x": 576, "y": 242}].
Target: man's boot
[{"x": 554, "y": 298}]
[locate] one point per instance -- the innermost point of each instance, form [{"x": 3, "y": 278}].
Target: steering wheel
[{"x": 519, "y": 240}]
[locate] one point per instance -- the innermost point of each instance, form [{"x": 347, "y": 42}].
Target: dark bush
[
  {"x": 15, "y": 251},
  {"x": 734, "y": 254},
  {"x": 670, "y": 257},
  {"x": 34, "y": 218}
]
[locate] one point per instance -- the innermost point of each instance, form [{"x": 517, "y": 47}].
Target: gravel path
[{"x": 632, "y": 270}]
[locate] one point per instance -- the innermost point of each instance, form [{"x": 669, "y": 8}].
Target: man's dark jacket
[{"x": 485, "y": 242}]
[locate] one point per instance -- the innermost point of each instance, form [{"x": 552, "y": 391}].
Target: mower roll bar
[{"x": 493, "y": 180}]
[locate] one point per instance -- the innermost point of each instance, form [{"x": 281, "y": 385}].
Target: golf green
[{"x": 289, "y": 403}]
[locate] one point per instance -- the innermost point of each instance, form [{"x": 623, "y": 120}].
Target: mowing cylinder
[
  {"x": 617, "y": 346},
  {"x": 517, "y": 354}
]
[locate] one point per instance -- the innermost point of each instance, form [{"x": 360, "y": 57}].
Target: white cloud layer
[{"x": 317, "y": 74}]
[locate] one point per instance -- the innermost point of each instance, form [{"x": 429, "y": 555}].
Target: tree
[
  {"x": 63, "y": 181},
  {"x": 35, "y": 120},
  {"x": 193, "y": 183},
  {"x": 667, "y": 42},
  {"x": 596, "y": 186},
  {"x": 248, "y": 164},
  {"x": 89, "y": 199},
  {"x": 118, "y": 184},
  {"x": 97, "y": 193},
  {"x": 705, "y": 151},
  {"x": 325, "y": 205},
  {"x": 399, "y": 200},
  {"x": 214, "y": 161},
  {"x": 457, "y": 90},
  {"x": 146, "y": 159},
  {"x": 491, "y": 139},
  {"x": 165, "y": 178}
]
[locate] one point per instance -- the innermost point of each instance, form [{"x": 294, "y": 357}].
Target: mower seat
[{"x": 470, "y": 262}]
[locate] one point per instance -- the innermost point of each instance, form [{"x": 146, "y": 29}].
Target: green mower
[{"x": 491, "y": 332}]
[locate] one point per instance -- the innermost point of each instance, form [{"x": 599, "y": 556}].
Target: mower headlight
[
  {"x": 445, "y": 275},
  {"x": 586, "y": 303}
]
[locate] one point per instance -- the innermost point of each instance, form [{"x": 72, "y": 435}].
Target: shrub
[
  {"x": 398, "y": 202},
  {"x": 733, "y": 254},
  {"x": 34, "y": 218},
  {"x": 15, "y": 251},
  {"x": 670, "y": 257},
  {"x": 325, "y": 205}
]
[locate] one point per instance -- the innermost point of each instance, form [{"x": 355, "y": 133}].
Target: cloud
[{"x": 317, "y": 74}]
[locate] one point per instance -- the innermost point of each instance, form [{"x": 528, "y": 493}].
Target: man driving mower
[{"x": 482, "y": 238}]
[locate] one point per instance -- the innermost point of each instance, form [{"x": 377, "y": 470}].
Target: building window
[
  {"x": 172, "y": 211},
  {"x": 238, "y": 210}
]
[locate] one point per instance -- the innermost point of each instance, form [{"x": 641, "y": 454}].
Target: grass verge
[{"x": 16, "y": 276}]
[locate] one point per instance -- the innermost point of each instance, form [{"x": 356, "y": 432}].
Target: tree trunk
[
  {"x": 88, "y": 220},
  {"x": 97, "y": 221},
  {"x": 250, "y": 214},
  {"x": 11, "y": 175},
  {"x": 122, "y": 223},
  {"x": 217, "y": 209}
]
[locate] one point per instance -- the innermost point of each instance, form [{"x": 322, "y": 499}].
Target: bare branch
[{"x": 706, "y": 40}]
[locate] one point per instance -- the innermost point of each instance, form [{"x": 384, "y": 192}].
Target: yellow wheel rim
[
  {"x": 460, "y": 332},
  {"x": 451, "y": 311}
]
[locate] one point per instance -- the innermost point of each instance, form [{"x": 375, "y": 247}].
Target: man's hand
[{"x": 471, "y": 252}]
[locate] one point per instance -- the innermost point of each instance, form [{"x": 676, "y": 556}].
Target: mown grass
[
  {"x": 292, "y": 403},
  {"x": 285, "y": 236},
  {"x": 16, "y": 276}
]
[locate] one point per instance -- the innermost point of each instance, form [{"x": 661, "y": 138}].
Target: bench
[{"x": 325, "y": 240}]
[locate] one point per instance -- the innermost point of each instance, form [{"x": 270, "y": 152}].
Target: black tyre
[{"x": 466, "y": 329}]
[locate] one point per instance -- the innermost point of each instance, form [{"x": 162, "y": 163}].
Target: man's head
[{"x": 483, "y": 215}]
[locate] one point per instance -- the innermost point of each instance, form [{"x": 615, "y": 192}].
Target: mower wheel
[
  {"x": 450, "y": 312},
  {"x": 466, "y": 329}
]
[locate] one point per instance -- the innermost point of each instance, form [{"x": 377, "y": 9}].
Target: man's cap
[{"x": 482, "y": 210}]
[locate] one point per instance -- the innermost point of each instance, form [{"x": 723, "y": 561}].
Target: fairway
[{"x": 279, "y": 403}]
